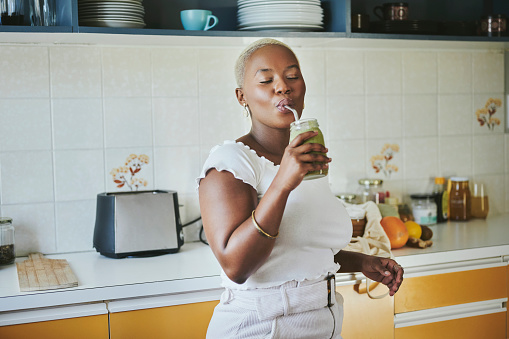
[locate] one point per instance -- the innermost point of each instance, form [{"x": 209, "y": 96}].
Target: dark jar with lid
[
  {"x": 493, "y": 25},
  {"x": 459, "y": 199},
  {"x": 7, "y": 254}
]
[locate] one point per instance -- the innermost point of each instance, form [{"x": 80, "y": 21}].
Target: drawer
[
  {"x": 438, "y": 290},
  {"x": 364, "y": 317},
  {"x": 179, "y": 321},
  {"x": 77, "y": 328},
  {"x": 483, "y": 326}
]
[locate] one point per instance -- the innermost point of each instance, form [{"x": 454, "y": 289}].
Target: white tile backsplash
[
  {"x": 34, "y": 227},
  {"x": 454, "y": 72},
  {"x": 488, "y": 155},
  {"x": 75, "y": 72},
  {"x": 175, "y": 72},
  {"x": 347, "y": 117},
  {"x": 496, "y": 121},
  {"x": 221, "y": 118},
  {"x": 126, "y": 72},
  {"x": 75, "y": 222},
  {"x": 486, "y": 72},
  {"x": 25, "y": 124},
  {"x": 78, "y": 123},
  {"x": 455, "y": 114},
  {"x": 420, "y": 157},
  {"x": 215, "y": 78},
  {"x": 455, "y": 156},
  {"x": 175, "y": 121},
  {"x": 384, "y": 116},
  {"x": 177, "y": 168},
  {"x": 27, "y": 177},
  {"x": 383, "y": 72},
  {"x": 420, "y": 73},
  {"x": 73, "y": 113},
  {"x": 128, "y": 122},
  {"x": 420, "y": 115},
  {"x": 79, "y": 174},
  {"x": 25, "y": 72},
  {"x": 312, "y": 64},
  {"x": 118, "y": 157},
  {"x": 345, "y": 72}
]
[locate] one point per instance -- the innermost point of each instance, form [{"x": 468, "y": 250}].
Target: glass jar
[
  {"x": 306, "y": 125},
  {"x": 459, "y": 199},
  {"x": 424, "y": 209},
  {"x": 7, "y": 254},
  {"x": 369, "y": 190},
  {"x": 347, "y": 197}
]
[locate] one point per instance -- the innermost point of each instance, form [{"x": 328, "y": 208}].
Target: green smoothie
[{"x": 306, "y": 125}]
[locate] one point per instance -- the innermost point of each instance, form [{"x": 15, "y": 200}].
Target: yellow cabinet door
[
  {"x": 490, "y": 326},
  {"x": 95, "y": 326},
  {"x": 419, "y": 293},
  {"x": 366, "y": 318},
  {"x": 187, "y": 321}
]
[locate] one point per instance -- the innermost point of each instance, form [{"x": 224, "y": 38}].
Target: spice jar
[
  {"x": 7, "y": 254},
  {"x": 459, "y": 199},
  {"x": 369, "y": 189},
  {"x": 424, "y": 209}
]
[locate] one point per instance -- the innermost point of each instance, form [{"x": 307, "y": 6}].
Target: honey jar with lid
[{"x": 459, "y": 199}]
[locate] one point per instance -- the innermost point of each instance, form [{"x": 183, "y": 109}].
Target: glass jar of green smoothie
[{"x": 305, "y": 125}]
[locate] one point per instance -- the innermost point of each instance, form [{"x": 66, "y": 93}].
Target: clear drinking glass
[
  {"x": 12, "y": 12},
  {"x": 479, "y": 204},
  {"x": 43, "y": 12}
]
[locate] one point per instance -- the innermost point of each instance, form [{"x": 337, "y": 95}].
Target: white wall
[{"x": 70, "y": 114}]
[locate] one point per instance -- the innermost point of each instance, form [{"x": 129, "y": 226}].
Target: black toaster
[{"x": 138, "y": 223}]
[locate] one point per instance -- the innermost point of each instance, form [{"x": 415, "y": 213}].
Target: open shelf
[{"x": 163, "y": 23}]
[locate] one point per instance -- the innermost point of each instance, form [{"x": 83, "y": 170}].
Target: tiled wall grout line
[{"x": 53, "y": 155}]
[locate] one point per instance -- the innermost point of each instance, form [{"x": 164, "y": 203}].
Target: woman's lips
[{"x": 284, "y": 102}]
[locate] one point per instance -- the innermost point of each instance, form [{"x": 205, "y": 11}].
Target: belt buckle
[{"x": 331, "y": 288}]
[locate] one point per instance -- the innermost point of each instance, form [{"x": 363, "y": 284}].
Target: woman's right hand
[{"x": 299, "y": 159}]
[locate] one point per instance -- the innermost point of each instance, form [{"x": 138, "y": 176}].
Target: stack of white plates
[
  {"x": 280, "y": 15},
  {"x": 111, "y": 13}
]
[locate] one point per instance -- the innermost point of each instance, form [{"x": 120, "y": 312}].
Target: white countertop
[{"x": 194, "y": 268}]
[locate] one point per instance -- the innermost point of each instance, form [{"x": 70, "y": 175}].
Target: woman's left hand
[{"x": 384, "y": 270}]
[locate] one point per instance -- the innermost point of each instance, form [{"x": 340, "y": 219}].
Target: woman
[{"x": 277, "y": 237}]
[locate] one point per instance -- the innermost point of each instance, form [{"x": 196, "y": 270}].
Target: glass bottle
[
  {"x": 7, "y": 254},
  {"x": 306, "y": 125},
  {"x": 459, "y": 199},
  {"x": 440, "y": 196}
]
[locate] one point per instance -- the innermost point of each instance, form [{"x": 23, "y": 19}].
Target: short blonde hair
[{"x": 240, "y": 65}]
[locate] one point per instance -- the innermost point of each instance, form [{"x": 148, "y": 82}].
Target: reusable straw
[{"x": 294, "y": 113}]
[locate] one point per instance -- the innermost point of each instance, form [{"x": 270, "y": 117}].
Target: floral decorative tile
[{"x": 485, "y": 115}]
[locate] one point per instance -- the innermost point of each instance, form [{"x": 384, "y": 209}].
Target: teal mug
[{"x": 198, "y": 19}]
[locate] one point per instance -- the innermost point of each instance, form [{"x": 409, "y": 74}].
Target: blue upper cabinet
[{"x": 426, "y": 19}]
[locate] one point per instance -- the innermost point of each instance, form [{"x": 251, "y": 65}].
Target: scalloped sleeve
[{"x": 235, "y": 158}]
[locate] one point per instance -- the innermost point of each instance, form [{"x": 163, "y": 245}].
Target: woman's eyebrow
[{"x": 270, "y": 69}]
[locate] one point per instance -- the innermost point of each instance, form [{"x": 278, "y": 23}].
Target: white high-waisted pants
[{"x": 278, "y": 313}]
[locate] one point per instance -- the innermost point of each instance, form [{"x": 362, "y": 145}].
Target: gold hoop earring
[{"x": 247, "y": 113}]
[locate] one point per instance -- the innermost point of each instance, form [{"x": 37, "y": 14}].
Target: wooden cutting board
[{"x": 38, "y": 273}]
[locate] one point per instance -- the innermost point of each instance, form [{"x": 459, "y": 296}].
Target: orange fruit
[
  {"x": 396, "y": 231},
  {"x": 414, "y": 229}
]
